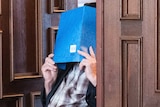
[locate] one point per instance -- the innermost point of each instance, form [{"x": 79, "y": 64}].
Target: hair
[{"x": 93, "y": 4}]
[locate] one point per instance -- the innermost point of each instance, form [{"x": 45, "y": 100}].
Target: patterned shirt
[{"x": 72, "y": 90}]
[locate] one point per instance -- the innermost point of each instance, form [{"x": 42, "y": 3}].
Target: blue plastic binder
[{"x": 77, "y": 31}]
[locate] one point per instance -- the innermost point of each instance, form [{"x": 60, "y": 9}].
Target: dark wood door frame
[{"x": 100, "y": 64}]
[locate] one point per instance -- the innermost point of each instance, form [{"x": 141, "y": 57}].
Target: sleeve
[
  {"x": 91, "y": 95},
  {"x": 43, "y": 97}
]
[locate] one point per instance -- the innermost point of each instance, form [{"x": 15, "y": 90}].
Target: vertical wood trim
[
  {"x": 100, "y": 51},
  {"x": 123, "y": 76},
  {"x": 0, "y": 7},
  {"x": 157, "y": 25},
  {"x": 130, "y": 9},
  {"x": 37, "y": 36},
  {"x": 38, "y": 12},
  {"x": 1, "y": 85},
  {"x": 11, "y": 36},
  {"x": 19, "y": 102},
  {"x": 125, "y": 41},
  {"x": 50, "y": 6},
  {"x": 52, "y": 35}
]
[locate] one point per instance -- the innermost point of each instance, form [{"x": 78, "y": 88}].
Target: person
[
  {"x": 83, "y": 77},
  {"x": 73, "y": 87}
]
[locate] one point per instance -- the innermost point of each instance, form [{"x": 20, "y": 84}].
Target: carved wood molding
[
  {"x": 56, "y": 6},
  {"x": 130, "y": 9},
  {"x": 38, "y": 33},
  {"x": 11, "y": 33},
  {"x": 0, "y": 7},
  {"x": 131, "y": 71},
  {"x": 157, "y": 48},
  {"x": 1, "y": 91},
  {"x": 34, "y": 96},
  {"x": 19, "y": 99},
  {"x": 52, "y": 37}
]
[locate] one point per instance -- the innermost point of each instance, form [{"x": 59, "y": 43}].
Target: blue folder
[{"x": 77, "y": 31}]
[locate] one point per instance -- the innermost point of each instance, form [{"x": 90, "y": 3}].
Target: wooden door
[
  {"x": 27, "y": 32},
  {"x": 128, "y": 53}
]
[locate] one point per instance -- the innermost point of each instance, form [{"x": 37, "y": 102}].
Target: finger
[
  {"x": 54, "y": 72},
  {"x": 49, "y": 60},
  {"x": 83, "y": 63},
  {"x": 51, "y": 65},
  {"x": 92, "y": 52},
  {"x": 47, "y": 67},
  {"x": 86, "y": 55},
  {"x": 51, "y": 55}
]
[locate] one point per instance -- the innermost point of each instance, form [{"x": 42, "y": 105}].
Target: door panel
[{"x": 129, "y": 57}]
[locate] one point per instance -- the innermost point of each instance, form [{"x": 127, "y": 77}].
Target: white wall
[{"x": 81, "y": 2}]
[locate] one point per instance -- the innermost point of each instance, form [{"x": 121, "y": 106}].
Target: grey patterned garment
[{"x": 72, "y": 90}]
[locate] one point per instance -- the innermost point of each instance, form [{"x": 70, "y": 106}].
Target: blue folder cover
[{"x": 77, "y": 31}]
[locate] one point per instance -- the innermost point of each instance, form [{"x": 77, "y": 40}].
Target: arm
[{"x": 49, "y": 72}]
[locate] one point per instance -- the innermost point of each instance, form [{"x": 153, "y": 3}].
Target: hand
[
  {"x": 89, "y": 65},
  {"x": 49, "y": 72}
]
